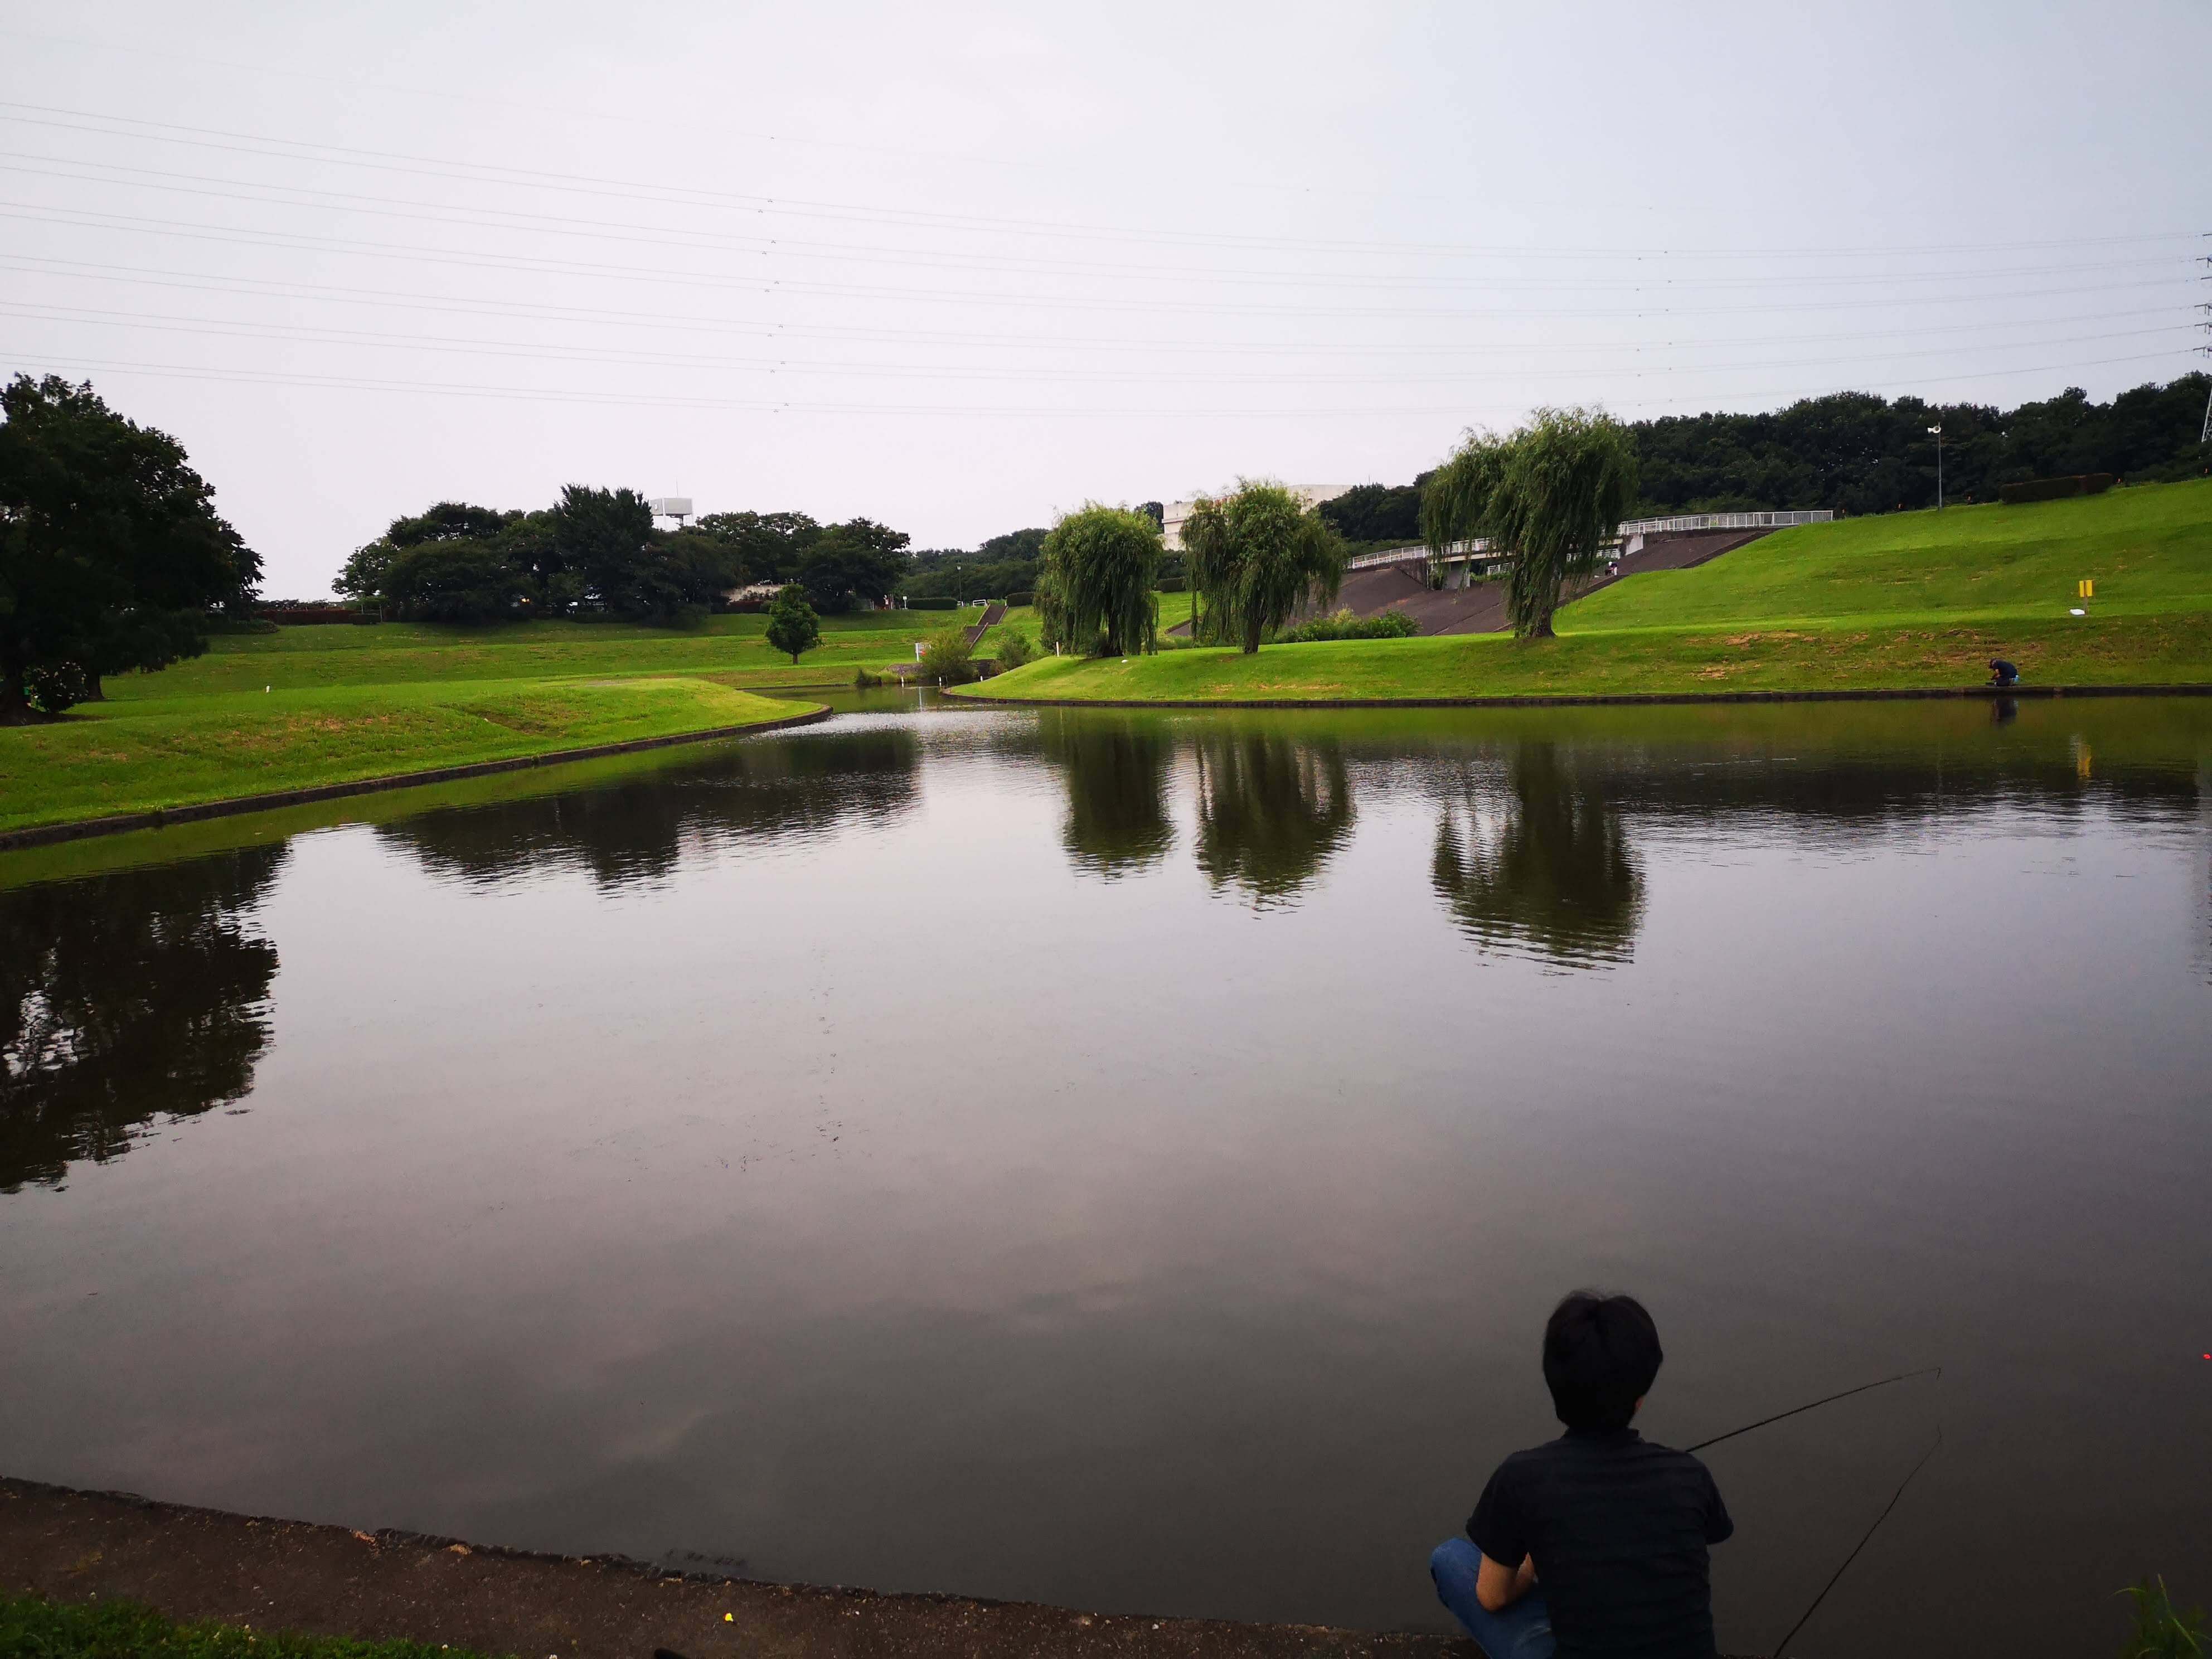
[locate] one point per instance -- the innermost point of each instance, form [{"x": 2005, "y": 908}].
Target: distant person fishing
[
  {"x": 2003, "y": 673},
  {"x": 1595, "y": 1543}
]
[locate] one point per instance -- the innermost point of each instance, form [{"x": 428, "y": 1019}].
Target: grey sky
[{"x": 957, "y": 266}]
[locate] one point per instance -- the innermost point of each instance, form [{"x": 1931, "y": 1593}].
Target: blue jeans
[{"x": 1523, "y": 1630}]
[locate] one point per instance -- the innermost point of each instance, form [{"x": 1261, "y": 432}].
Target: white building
[{"x": 1309, "y": 495}]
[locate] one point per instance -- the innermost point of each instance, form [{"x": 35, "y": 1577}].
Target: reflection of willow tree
[
  {"x": 635, "y": 830},
  {"x": 1117, "y": 771},
  {"x": 126, "y": 999},
  {"x": 1554, "y": 875},
  {"x": 1270, "y": 811}
]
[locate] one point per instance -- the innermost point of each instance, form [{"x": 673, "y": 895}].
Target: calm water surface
[{"x": 1126, "y": 1160}]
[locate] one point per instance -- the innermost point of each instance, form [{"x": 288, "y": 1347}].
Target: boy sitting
[{"x": 1592, "y": 1546}]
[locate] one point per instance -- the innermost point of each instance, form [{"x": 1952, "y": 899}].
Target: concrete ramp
[{"x": 1480, "y": 608}]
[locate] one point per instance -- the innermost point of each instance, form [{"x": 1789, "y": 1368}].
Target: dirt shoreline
[
  {"x": 48, "y": 835},
  {"x": 73, "y": 1546}
]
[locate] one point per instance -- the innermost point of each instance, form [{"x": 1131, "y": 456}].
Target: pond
[{"x": 1124, "y": 1160}]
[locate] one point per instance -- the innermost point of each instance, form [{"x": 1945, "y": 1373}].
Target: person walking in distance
[{"x": 1593, "y": 1545}]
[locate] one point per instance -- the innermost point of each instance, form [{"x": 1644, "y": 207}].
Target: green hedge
[
  {"x": 1172, "y": 584},
  {"x": 2055, "y": 489},
  {"x": 1015, "y": 601},
  {"x": 931, "y": 604}
]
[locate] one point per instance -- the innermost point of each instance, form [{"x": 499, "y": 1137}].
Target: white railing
[
  {"x": 1675, "y": 526},
  {"x": 1725, "y": 521}
]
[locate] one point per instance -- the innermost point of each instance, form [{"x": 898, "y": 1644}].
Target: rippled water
[{"x": 1126, "y": 1160}]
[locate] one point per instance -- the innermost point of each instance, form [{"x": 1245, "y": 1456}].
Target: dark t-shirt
[{"x": 1619, "y": 1527}]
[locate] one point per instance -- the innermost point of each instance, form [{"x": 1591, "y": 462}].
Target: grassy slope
[
  {"x": 1909, "y": 600},
  {"x": 215, "y": 748},
  {"x": 392, "y": 653},
  {"x": 2149, "y": 551}
]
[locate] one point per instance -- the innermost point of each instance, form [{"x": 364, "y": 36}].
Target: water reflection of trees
[
  {"x": 125, "y": 1000},
  {"x": 1116, "y": 774},
  {"x": 1541, "y": 866},
  {"x": 621, "y": 833},
  {"x": 1271, "y": 810}
]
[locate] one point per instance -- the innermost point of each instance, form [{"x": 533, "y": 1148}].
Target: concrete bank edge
[
  {"x": 1599, "y": 699},
  {"x": 49, "y": 835}
]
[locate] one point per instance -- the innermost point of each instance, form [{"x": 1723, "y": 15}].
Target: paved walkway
[{"x": 993, "y": 616}]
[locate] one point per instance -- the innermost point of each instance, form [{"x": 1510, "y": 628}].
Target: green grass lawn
[
  {"x": 1909, "y": 600},
  {"x": 135, "y": 757},
  {"x": 731, "y": 647},
  {"x": 33, "y": 1628},
  {"x": 2148, "y": 550}
]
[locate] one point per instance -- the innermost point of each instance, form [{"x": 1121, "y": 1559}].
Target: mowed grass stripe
[
  {"x": 220, "y": 749},
  {"x": 401, "y": 654}
]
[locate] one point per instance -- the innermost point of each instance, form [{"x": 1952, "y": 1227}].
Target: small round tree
[
  {"x": 1549, "y": 495},
  {"x": 1100, "y": 562},
  {"x": 793, "y": 627},
  {"x": 1255, "y": 555}
]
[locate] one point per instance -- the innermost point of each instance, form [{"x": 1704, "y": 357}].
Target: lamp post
[{"x": 1936, "y": 430}]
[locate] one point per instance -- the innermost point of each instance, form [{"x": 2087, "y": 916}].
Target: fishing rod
[
  {"x": 1782, "y": 1647},
  {"x": 1902, "y": 1377}
]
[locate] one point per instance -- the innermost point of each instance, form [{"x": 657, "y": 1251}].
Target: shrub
[
  {"x": 864, "y": 681},
  {"x": 2055, "y": 489},
  {"x": 1012, "y": 648},
  {"x": 792, "y": 626},
  {"x": 948, "y": 660},
  {"x": 1343, "y": 625},
  {"x": 1170, "y": 585},
  {"x": 1015, "y": 601},
  {"x": 914, "y": 603},
  {"x": 2162, "y": 1630}
]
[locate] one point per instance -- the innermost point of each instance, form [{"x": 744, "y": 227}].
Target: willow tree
[
  {"x": 1549, "y": 496},
  {"x": 1100, "y": 563},
  {"x": 1255, "y": 555}
]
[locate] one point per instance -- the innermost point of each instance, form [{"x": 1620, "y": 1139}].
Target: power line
[
  {"x": 415, "y": 252},
  {"x": 631, "y": 190},
  {"x": 223, "y": 328},
  {"x": 189, "y": 184},
  {"x": 530, "y": 394},
  {"x": 453, "y": 305}
]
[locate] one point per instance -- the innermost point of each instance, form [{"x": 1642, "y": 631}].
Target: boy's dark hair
[{"x": 1600, "y": 1354}]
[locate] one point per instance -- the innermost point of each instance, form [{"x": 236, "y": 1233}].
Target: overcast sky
[{"x": 959, "y": 266}]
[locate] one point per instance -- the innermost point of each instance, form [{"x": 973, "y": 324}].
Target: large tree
[
  {"x": 459, "y": 580},
  {"x": 366, "y": 576},
  {"x": 111, "y": 549},
  {"x": 861, "y": 562},
  {"x": 606, "y": 539},
  {"x": 1550, "y": 495},
  {"x": 1100, "y": 563},
  {"x": 1255, "y": 555}
]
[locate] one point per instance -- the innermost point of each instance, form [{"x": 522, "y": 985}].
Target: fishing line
[
  {"x": 1936, "y": 1371},
  {"x": 1782, "y": 1646}
]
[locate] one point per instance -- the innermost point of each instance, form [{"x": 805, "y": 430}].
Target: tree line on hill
[
  {"x": 598, "y": 553},
  {"x": 112, "y": 557},
  {"x": 1856, "y": 453}
]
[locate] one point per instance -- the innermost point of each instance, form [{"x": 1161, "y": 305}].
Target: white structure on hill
[{"x": 1309, "y": 495}]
